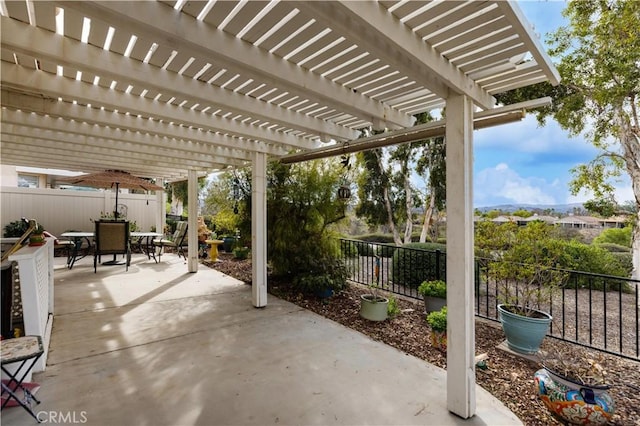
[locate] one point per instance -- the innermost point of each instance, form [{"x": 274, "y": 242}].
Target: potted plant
[
  {"x": 526, "y": 280},
  {"x": 573, "y": 385},
  {"x": 438, "y": 322},
  {"x": 434, "y": 293},
  {"x": 37, "y": 237},
  {"x": 373, "y": 306}
]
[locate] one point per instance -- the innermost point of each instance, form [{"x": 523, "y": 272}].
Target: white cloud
[
  {"x": 622, "y": 193},
  {"x": 501, "y": 185},
  {"x": 527, "y": 137}
]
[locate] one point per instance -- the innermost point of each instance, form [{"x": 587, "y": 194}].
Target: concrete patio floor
[{"x": 159, "y": 346}]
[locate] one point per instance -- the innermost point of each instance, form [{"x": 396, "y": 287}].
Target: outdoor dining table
[
  {"x": 144, "y": 240},
  {"x": 77, "y": 238}
]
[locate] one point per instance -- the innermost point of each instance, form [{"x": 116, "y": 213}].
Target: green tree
[
  {"x": 601, "y": 206},
  {"x": 432, "y": 165},
  {"x": 302, "y": 206},
  {"x": 523, "y": 261},
  {"x": 599, "y": 53},
  {"x": 522, "y": 213},
  {"x": 386, "y": 195},
  {"x": 219, "y": 203},
  {"x": 377, "y": 202},
  {"x": 180, "y": 190}
]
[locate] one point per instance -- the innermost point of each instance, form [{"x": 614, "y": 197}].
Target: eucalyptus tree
[
  {"x": 432, "y": 165},
  {"x": 386, "y": 192},
  {"x": 599, "y": 62}
]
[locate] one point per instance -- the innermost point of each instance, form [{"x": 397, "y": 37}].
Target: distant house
[
  {"x": 614, "y": 222},
  {"x": 507, "y": 219},
  {"x": 580, "y": 222},
  {"x": 543, "y": 218}
]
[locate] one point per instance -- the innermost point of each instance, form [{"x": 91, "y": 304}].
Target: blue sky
[{"x": 524, "y": 163}]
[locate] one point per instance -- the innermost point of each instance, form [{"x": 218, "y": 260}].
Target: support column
[
  {"x": 192, "y": 228},
  {"x": 161, "y": 215},
  {"x": 461, "y": 379},
  {"x": 259, "y": 229}
]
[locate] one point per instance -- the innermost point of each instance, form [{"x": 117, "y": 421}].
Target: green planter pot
[
  {"x": 524, "y": 334},
  {"x": 373, "y": 310},
  {"x": 227, "y": 244},
  {"x": 432, "y": 304}
]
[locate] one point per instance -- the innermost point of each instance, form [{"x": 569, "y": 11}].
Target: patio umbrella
[{"x": 111, "y": 178}]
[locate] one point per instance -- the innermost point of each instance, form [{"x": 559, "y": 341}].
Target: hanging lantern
[
  {"x": 236, "y": 189},
  {"x": 236, "y": 194},
  {"x": 344, "y": 192}
]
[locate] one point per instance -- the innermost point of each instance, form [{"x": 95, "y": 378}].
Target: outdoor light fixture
[
  {"x": 236, "y": 194},
  {"x": 344, "y": 192}
]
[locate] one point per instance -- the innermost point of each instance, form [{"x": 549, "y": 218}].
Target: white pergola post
[
  {"x": 192, "y": 228},
  {"x": 259, "y": 229},
  {"x": 461, "y": 380},
  {"x": 161, "y": 216}
]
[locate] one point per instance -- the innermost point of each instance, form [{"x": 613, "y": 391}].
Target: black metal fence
[{"x": 596, "y": 311}]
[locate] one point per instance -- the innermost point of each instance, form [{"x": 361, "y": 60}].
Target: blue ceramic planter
[{"x": 524, "y": 334}]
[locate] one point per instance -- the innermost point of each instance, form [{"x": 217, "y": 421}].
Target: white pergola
[{"x": 174, "y": 90}]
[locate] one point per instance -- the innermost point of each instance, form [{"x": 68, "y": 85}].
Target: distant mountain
[{"x": 560, "y": 208}]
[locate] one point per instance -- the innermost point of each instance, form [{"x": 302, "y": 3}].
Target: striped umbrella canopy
[{"x": 111, "y": 178}]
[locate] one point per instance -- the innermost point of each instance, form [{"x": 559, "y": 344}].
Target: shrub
[
  {"x": 374, "y": 249},
  {"x": 302, "y": 209},
  {"x": 434, "y": 288},
  {"x": 171, "y": 226},
  {"x": 364, "y": 248},
  {"x": 15, "y": 229},
  {"x": 418, "y": 262},
  {"x": 324, "y": 273},
  {"x": 614, "y": 248},
  {"x": 375, "y": 238},
  {"x": 241, "y": 253},
  {"x": 349, "y": 249},
  {"x": 438, "y": 320},
  {"x": 626, "y": 262},
  {"x": 392, "y": 308},
  {"x": 385, "y": 250},
  {"x": 591, "y": 258},
  {"x": 620, "y": 236}
]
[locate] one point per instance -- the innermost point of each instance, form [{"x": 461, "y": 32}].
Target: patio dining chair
[
  {"x": 111, "y": 237},
  {"x": 177, "y": 241}
]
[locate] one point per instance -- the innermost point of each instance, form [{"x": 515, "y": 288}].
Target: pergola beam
[
  {"x": 66, "y": 52},
  {"x": 19, "y": 148},
  {"x": 221, "y": 144},
  {"x": 433, "y": 129},
  {"x": 161, "y": 24},
  {"x": 159, "y": 125},
  {"x": 81, "y": 133},
  {"x": 99, "y": 149},
  {"x": 371, "y": 28}
]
